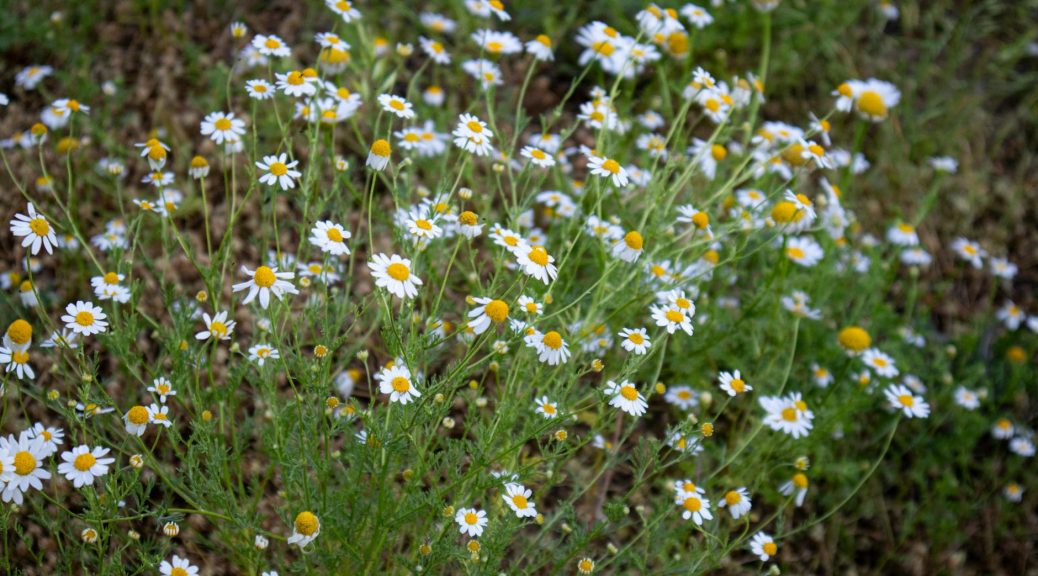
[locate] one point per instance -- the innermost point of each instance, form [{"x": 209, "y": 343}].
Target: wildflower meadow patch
[{"x": 474, "y": 287}]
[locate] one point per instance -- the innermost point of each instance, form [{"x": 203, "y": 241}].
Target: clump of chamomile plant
[{"x": 376, "y": 313}]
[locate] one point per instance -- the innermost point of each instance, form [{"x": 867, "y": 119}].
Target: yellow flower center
[
  {"x": 683, "y": 303},
  {"x": 770, "y": 548},
  {"x": 222, "y": 124},
  {"x": 471, "y": 518},
  {"x": 468, "y": 218},
  {"x": 264, "y": 277},
  {"x": 906, "y": 400},
  {"x": 334, "y": 235},
  {"x": 475, "y": 126},
  {"x": 732, "y": 497},
  {"x": 84, "y": 318},
  {"x": 380, "y": 148},
  {"x": 548, "y": 408},
  {"x": 497, "y": 310},
  {"x": 553, "y": 340},
  {"x": 137, "y": 415},
  {"x": 872, "y": 104},
  {"x": 718, "y": 152},
  {"x": 536, "y": 153},
  {"x": 24, "y": 463},
  {"x": 612, "y": 166},
  {"x": 396, "y": 105},
  {"x": 295, "y": 78},
  {"x": 219, "y": 329},
  {"x": 84, "y": 462},
  {"x": 633, "y": 240},
  {"x": 39, "y": 226},
  {"x": 19, "y": 331},
  {"x": 401, "y": 384},
  {"x": 854, "y": 338},
  {"x": 701, "y": 220},
  {"x": 692, "y": 504},
  {"x": 398, "y": 271},
  {"x": 111, "y": 278},
  {"x": 800, "y": 480},
  {"x": 795, "y": 253},
  {"x": 544, "y": 40},
  {"x": 423, "y": 224},
  {"x": 636, "y": 338},
  {"x": 738, "y": 385},
  {"x": 538, "y": 255},
  {"x": 520, "y": 501},
  {"x": 20, "y": 357},
  {"x": 494, "y": 47},
  {"x": 278, "y": 168},
  {"x": 789, "y": 414},
  {"x": 629, "y": 392},
  {"x": 306, "y": 523},
  {"x": 675, "y": 316}
]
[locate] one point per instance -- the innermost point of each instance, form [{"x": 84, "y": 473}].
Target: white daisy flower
[
  {"x": 83, "y": 464},
  {"x": 625, "y": 396},
  {"x": 222, "y": 126},
  {"x": 279, "y": 171},
  {"x": 34, "y": 230},
  {"x": 330, "y": 237},
  {"x": 260, "y": 353},
  {"x": 471, "y": 521},
  {"x": 396, "y": 105},
  {"x": 305, "y": 528},
  {"x": 216, "y": 327},
  {"x": 397, "y": 382},
  {"x": 535, "y": 261},
  {"x": 263, "y": 282},
  {"x": 85, "y": 318},
  {"x": 635, "y": 340},
  {"x": 733, "y": 384},
  {"x": 550, "y": 346},
  {"x": 763, "y": 546},
  {"x": 517, "y": 497},
  {"x": 901, "y": 398},
  {"x": 394, "y": 274}
]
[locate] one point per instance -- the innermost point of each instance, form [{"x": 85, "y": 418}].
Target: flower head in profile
[
  {"x": 217, "y": 327},
  {"x": 305, "y": 529}
]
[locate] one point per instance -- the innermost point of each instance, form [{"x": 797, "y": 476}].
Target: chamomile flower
[
  {"x": 550, "y": 346},
  {"x": 52, "y": 437},
  {"x": 763, "y": 546},
  {"x": 468, "y": 224},
  {"x": 159, "y": 415},
  {"x": 260, "y": 353},
  {"x": 901, "y": 398},
  {"x": 34, "y": 230},
  {"x": 546, "y": 407},
  {"x": 162, "y": 388},
  {"x": 625, "y": 396},
  {"x": 1011, "y": 315},
  {"x": 796, "y": 487},
  {"x": 538, "y": 157},
  {"x": 969, "y": 251},
  {"x": 880, "y": 363},
  {"x": 397, "y": 382},
  {"x": 874, "y": 98},
  {"x": 83, "y": 464},
  {"x": 85, "y": 318},
  {"x": 222, "y": 126},
  {"x": 395, "y": 275},
  {"x": 804, "y": 251},
  {"x": 1022, "y": 446},
  {"x": 822, "y": 376},
  {"x": 517, "y": 497},
  {"x": 608, "y": 168},
  {"x": 264, "y": 281},
  {"x": 535, "y": 261},
  {"x": 902, "y": 234},
  {"x": 674, "y": 318},
  {"x": 259, "y": 89},
  {"x": 541, "y": 48},
  {"x": 271, "y": 46},
  {"x": 635, "y": 340},
  {"x": 27, "y": 456},
  {"x": 737, "y": 501},
  {"x": 378, "y": 156},
  {"x": 217, "y": 327},
  {"x": 330, "y": 237},
  {"x": 422, "y": 226},
  {"x": 396, "y": 105},
  {"x": 682, "y": 396},
  {"x": 787, "y": 414},
  {"x": 1003, "y": 268},
  {"x": 966, "y": 398},
  {"x": 305, "y": 528},
  {"x": 17, "y": 361},
  {"x": 471, "y": 521},
  {"x": 733, "y": 384},
  {"x": 435, "y": 50},
  {"x": 489, "y": 311},
  {"x": 1013, "y": 492},
  {"x": 472, "y": 135},
  {"x": 530, "y": 306},
  {"x": 630, "y": 247},
  {"x": 278, "y": 171},
  {"x": 693, "y": 506}
]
